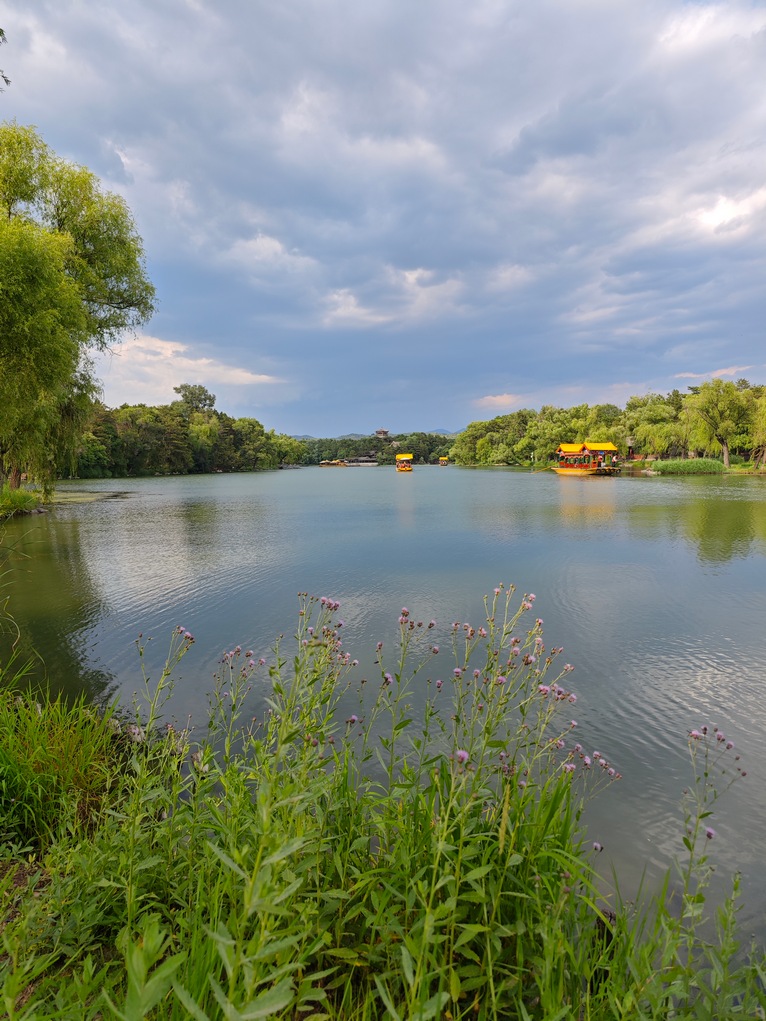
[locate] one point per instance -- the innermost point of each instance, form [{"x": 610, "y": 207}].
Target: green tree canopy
[
  {"x": 719, "y": 412},
  {"x": 73, "y": 279},
  {"x": 194, "y": 397}
]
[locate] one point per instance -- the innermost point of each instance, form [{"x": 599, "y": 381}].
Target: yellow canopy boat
[
  {"x": 404, "y": 462},
  {"x": 594, "y": 457}
]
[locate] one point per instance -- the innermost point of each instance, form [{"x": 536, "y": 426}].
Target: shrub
[
  {"x": 17, "y": 501},
  {"x": 58, "y": 763},
  {"x": 688, "y": 466}
]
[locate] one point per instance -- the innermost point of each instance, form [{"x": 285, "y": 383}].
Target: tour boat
[
  {"x": 443, "y": 461},
  {"x": 589, "y": 458},
  {"x": 339, "y": 463},
  {"x": 404, "y": 462}
]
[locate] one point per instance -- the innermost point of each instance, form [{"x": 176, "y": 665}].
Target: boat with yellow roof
[
  {"x": 404, "y": 462},
  {"x": 589, "y": 458}
]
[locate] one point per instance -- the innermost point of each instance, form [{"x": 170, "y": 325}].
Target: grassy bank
[
  {"x": 341, "y": 856},
  {"x": 688, "y": 466},
  {"x": 17, "y": 501}
]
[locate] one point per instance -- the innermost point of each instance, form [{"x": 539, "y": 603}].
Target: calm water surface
[{"x": 656, "y": 588}]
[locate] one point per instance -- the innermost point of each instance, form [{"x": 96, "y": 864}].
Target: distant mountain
[{"x": 364, "y": 436}]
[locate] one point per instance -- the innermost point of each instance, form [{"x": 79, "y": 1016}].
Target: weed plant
[
  {"x": 688, "y": 466},
  {"x": 313, "y": 863},
  {"x": 17, "y": 501}
]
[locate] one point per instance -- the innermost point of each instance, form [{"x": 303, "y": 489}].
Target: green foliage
[
  {"x": 17, "y": 501},
  {"x": 718, "y": 412},
  {"x": 194, "y": 398},
  {"x": 322, "y": 863},
  {"x": 6, "y": 80},
  {"x": 56, "y": 764},
  {"x": 71, "y": 278},
  {"x": 713, "y": 418},
  {"x": 176, "y": 439},
  {"x": 427, "y": 448},
  {"x": 688, "y": 466}
]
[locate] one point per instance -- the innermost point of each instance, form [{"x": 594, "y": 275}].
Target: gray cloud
[{"x": 408, "y": 214}]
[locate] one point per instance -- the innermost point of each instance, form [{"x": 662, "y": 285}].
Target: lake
[{"x": 655, "y": 587}]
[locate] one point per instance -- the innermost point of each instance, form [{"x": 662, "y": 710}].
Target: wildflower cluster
[
  {"x": 715, "y": 770},
  {"x": 464, "y": 794}
]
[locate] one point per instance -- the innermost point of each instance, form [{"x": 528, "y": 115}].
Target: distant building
[{"x": 382, "y": 433}]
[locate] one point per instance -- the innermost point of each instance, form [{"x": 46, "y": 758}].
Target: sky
[{"x": 415, "y": 214}]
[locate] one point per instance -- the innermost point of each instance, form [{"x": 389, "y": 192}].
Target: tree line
[
  {"x": 190, "y": 435},
  {"x": 184, "y": 437},
  {"x": 718, "y": 418}
]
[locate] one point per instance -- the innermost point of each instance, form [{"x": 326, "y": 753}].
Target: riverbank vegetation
[
  {"x": 324, "y": 851},
  {"x": 191, "y": 436},
  {"x": 692, "y": 466},
  {"x": 719, "y": 419},
  {"x": 17, "y": 501}
]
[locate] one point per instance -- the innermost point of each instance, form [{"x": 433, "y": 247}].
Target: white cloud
[
  {"x": 732, "y": 213},
  {"x": 702, "y": 27},
  {"x": 144, "y": 370},
  {"x": 344, "y": 309},
  {"x": 422, "y": 296},
  {"x": 732, "y": 370},
  {"x": 500, "y": 402},
  {"x": 265, "y": 254},
  {"x": 509, "y": 277}
]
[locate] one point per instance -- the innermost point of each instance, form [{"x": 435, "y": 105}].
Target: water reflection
[
  {"x": 654, "y": 587},
  {"x": 52, "y": 603},
  {"x": 722, "y": 522}
]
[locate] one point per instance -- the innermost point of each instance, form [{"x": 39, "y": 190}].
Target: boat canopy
[
  {"x": 596, "y": 445},
  {"x": 589, "y": 447},
  {"x": 404, "y": 457}
]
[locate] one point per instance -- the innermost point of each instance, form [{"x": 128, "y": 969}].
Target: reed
[
  {"x": 688, "y": 466},
  {"x": 17, "y": 501},
  {"x": 329, "y": 852}
]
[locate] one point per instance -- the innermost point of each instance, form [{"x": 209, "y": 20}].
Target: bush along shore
[
  {"x": 322, "y": 863},
  {"x": 687, "y": 466}
]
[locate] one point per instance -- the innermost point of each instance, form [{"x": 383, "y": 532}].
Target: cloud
[
  {"x": 508, "y": 277},
  {"x": 145, "y": 369},
  {"x": 344, "y": 309},
  {"x": 263, "y": 255},
  {"x": 500, "y": 402},
  {"x": 325, "y": 191},
  {"x": 733, "y": 370}
]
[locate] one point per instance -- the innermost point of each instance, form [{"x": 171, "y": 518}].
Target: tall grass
[
  {"x": 17, "y": 501},
  {"x": 340, "y": 855},
  {"x": 688, "y": 466}
]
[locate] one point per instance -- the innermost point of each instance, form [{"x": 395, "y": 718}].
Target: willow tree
[
  {"x": 4, "y": 77},
  {"x": 72, "y": 280},
  {"x": 719, "y": 411}
]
